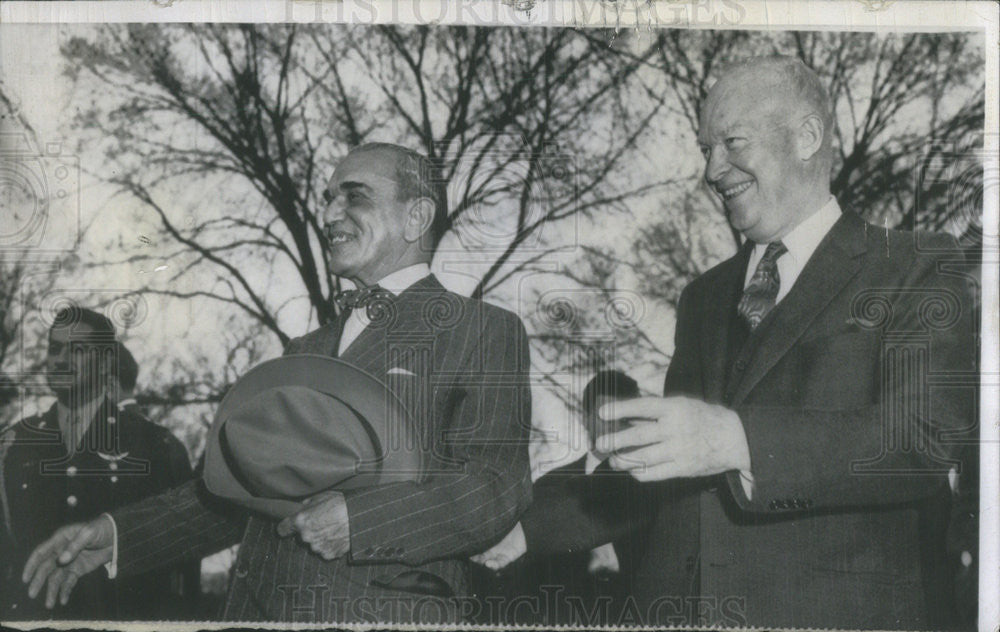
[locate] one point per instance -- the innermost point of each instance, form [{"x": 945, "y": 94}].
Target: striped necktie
[{"x": 760, "y": 294}]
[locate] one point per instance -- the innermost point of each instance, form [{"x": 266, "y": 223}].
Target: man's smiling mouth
[
  {"x": 337, "y": 236},
  {"x": 729, "y": 193}
]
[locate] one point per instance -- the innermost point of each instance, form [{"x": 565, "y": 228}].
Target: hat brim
[{"x": 374, "y": 411}]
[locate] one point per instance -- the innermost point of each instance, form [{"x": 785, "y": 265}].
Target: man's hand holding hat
[
  {"x": 322, "y": 524},
  {"x": 298, "y": 426}
]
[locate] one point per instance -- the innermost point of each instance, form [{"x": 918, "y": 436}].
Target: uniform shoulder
[
  {"x": 139, "y": 424},
  {"x": 32, "y": 423}
]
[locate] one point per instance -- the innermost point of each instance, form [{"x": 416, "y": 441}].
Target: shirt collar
[
  {"x": 802, "y": 240},
  {"x": 398, "y": 281},
  {"x": 75, "y": 422}
]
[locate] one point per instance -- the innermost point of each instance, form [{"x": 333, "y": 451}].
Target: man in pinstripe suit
[{"x": 391, "y": 553}]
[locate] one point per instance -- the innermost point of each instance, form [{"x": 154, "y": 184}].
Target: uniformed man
[{"x": 82, "y": 457}]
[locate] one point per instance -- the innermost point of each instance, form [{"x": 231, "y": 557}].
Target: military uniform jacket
[{"x": 124, "y": 458}]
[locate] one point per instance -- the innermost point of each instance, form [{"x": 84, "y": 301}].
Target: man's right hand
[
  {"x": 71, "y": 552},
  {"x": 505, "y": 551}
]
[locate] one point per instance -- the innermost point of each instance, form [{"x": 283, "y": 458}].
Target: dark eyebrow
[
  {"x": 348, "y": 186},
  {"x": 351, "y": 185}
]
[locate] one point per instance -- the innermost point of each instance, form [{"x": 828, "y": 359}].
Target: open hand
[
  {"x": 71, "y": 552},
  {"x": 682, "y": 437}
]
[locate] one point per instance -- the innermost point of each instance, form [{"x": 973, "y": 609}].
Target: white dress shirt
[
  {"x": 395, "y": 283},
  {"x": 801, "y": 243}
]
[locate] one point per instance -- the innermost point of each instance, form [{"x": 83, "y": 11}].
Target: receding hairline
[
  {"x": 787, "y": 76},
  {"x": 400, "y": 157},
  {"x": 396, "y": 151}
]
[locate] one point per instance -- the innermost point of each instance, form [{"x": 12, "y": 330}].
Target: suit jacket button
[
  {"x": 71, "y": 470},
  {"x": 71, "y": 500},
  {"x": 112, "y": 420}
]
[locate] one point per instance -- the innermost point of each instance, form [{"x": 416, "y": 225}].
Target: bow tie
[{"x": 353, "y": 299}]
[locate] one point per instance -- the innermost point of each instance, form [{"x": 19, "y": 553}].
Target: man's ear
[
  {"x": 419, "y": 218},
  {"x": 810, "y": 136}
]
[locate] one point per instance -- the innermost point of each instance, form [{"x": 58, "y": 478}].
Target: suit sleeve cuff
[{"x": 112, "y": 566}]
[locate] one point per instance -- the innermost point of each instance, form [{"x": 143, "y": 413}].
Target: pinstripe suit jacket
[{"x": 461, "y": 367}]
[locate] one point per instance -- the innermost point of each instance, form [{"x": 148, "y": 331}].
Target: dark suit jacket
[
  {"x": 573, "y": 595},
  {"x": 605, "y": 496},
  {"x": 847, "y": 391},
  {"x": 463, "y": 375},
  {"x": 124, "y": 458}
]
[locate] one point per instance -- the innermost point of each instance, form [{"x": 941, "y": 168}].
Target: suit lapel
[
  {"x": 832, "y": 266},
  {"x": 718, "y": 323},
  {"x": 369, "y": 350},
  {"x": 328, "y": 338},
  {"x": 404, "y": 340}
]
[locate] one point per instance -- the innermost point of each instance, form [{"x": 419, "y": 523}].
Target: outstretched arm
[{"x": 72, "y": 552}]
